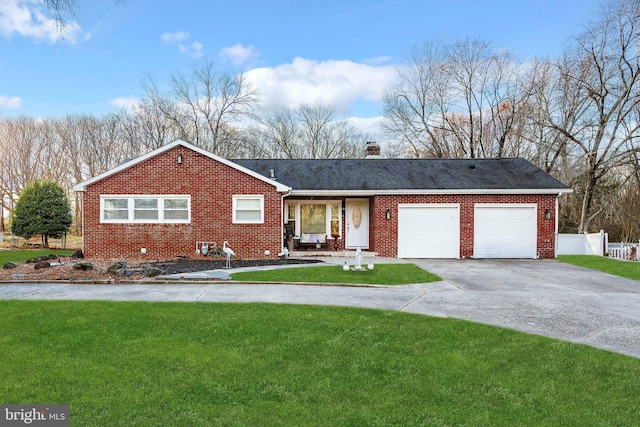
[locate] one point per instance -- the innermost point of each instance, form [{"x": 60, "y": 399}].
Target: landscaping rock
[
  {"x": 41, "y": 258},
  {"x": 83, "y": 266},
  {"x": 77, "y": 254},
  {"x": 42, "y": 264},
  {"x": 153, "y": 271},
  {"x": 10, "y": 264},
  {"x": 118, "y": 268}
]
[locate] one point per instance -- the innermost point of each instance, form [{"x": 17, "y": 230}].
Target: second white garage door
[
  {"x": 505, "y": 231},
  {"x": 429, "y": 231}
]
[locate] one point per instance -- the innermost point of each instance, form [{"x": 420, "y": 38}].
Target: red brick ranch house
[{"x": 172, "y": 201}]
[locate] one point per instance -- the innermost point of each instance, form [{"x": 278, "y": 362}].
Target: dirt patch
[{"x": 62, "y": 268}]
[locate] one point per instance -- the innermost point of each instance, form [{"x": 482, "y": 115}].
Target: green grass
[
  {"x": 149, "y": 364},
  {"x": 382, "y": 274},
  {"x": 23, "y": 255},
  {"x": 627, "y": 269}
]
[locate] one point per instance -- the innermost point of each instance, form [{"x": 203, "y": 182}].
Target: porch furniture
[{"x": 309, "y": 241}]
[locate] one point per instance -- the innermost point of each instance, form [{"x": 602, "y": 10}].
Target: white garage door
[
  {"x": 505, "y": 231},
  {"x": 429, "y": 231}
]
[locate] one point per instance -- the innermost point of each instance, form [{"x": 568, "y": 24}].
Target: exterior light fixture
[
  {"x": 179, "y": 159},
  {"x": 547, "y": 214},
  {"x": 387, "y": 214}
]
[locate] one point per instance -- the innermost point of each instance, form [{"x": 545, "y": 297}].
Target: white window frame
[
  {"x": 328, "y": 203},
  {"x": 130, "y": 208},
  {"x": 234, "y": 207}
]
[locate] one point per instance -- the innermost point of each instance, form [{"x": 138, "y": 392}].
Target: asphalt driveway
[{"x": 543, "y": 297}]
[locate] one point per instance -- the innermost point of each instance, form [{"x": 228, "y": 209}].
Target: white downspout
[
  {"x": 555, "y": 244},
  {"x": 282, "y": 229}
]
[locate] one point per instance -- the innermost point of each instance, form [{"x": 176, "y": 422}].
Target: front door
[{"x": 357, "y": 216}]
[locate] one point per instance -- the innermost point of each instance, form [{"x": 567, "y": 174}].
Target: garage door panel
[
  {"x": 429, "y": 231},
  {"x": 505, "y": 232}
]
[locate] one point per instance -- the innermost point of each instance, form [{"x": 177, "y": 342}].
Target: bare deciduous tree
[
  {"x": 413, "y": 109},
  {"x": 310, "y": 132},
  {"x": 459, "y": 100},
  {"x": 205, "y": 107},
  {"x": 594, "y": 99},
  {"x": 23, "y": 157}
]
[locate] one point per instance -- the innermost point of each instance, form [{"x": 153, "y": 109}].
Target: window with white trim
[
  {"x": 176, "y": 209},
  {"x": 314, "y": 216},
  {"x": 248, "y": 209},
  {"x": 145, "y": 209},
  {"x": 114, "y": 209}
]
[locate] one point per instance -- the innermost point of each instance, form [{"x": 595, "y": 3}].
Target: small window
[
  {"x": 248, "y": 209},
  {"x": 335, "y": 219},
  {"x": 145, "y": 209},
  {"x": 116, "y": 209},
  {"x": 176, "y": 209}
]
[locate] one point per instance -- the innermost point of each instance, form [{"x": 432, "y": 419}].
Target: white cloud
[
  {"x": 378, "y": 60},
  {"x": 238, "y": 54},
  {"x": 26, "y": 18},
  {"x": 181, "y": 40},
  {"x": 125, "y": 103},
  {"x": 13, "y": 102},
  {"x": 175, "y": 37},
  {"x": 193, "y": 49},
  {"x": 339, "y": 84},
  {"x": 371, "y": 126}
]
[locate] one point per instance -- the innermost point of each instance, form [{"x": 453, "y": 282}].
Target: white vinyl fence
[
  {"x": 583, "y": 244},
  {"x": 596, "y": 244},
  {"x": 627, "y": 251}
]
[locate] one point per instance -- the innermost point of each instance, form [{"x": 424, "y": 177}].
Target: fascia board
[{"x": 83, "y": 185}]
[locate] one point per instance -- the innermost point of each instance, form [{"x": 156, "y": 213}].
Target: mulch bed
[{"x": 193, "y": 265}]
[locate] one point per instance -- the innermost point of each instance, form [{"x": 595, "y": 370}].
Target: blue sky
[{"x": 338, "y": 52}]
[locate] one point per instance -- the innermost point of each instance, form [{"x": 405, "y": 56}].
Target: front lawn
[
  {"x": 25, "y": 254},
  {"x": 150, "y": 364},
  {"x": 382, "y": 274},
  {"x": 627, "y": 269}
]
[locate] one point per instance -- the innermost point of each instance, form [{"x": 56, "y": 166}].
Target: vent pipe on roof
[
  {"x": 273, "y": 174},
  {"x": 372, "y": 150}
]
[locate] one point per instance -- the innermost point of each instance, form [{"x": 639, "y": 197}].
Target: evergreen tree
[{"x": 42, "y": 209}]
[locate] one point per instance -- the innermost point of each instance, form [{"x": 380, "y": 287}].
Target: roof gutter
[{"x": 306, "y": 193}]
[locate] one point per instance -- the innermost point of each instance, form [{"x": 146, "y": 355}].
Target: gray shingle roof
[{"x": 405, "y": 174}]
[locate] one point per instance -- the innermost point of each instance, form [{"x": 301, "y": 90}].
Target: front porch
[{"x": 338, "y": 225}]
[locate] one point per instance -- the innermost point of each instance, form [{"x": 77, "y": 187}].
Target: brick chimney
[{"x": 372, "y": 150}]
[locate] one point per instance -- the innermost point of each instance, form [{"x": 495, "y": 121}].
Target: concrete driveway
[{"x": 542, "y": 297}]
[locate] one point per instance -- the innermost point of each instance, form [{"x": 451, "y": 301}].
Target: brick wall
[
  {"x": 211, "y": 186},
  {"x": 384, "y": 233}
]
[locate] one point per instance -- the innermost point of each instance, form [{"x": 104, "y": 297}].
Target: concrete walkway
[{"x": 540, "y": 297}]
